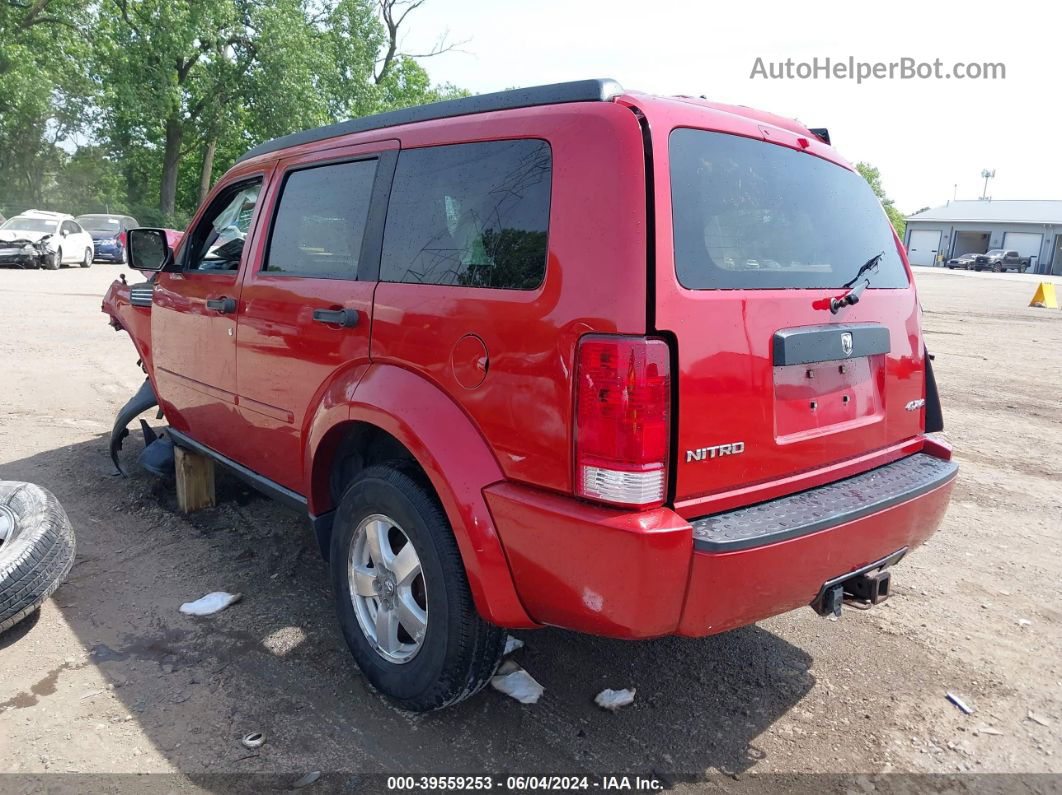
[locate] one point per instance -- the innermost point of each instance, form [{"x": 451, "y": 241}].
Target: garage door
[
  {"x": 969, "y": 243},
  {"x": 1025, "y": 243},
  {"x": 923, "y": 247}
]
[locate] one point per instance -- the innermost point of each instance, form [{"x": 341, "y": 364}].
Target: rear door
[
  {"x": 756, "y": 232},
  {"x": 306, "y": 304}
]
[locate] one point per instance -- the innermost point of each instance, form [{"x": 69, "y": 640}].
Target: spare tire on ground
[{"x": 36, "y": 549}]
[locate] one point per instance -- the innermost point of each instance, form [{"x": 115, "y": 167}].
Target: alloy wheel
[{"x": 387, "y": 588}]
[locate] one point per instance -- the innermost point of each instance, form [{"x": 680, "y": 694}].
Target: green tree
[
  {"x": 169, "y": 69},
  {"x": 43, "y": 89},
  {"x": 188, "y": 85},
  {"x": 873, "y": 177}
]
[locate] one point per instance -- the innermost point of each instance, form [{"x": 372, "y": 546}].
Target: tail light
[
  {"x": 121, "y": 238},
  {"x": 622, "y": 425}
]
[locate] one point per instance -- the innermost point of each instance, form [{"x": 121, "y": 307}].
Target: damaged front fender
[{"x": 143, "y": 400}]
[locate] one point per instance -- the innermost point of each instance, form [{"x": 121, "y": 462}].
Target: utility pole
[{"x": 987, "y": 175}]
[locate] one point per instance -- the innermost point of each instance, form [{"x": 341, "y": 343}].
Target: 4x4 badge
[{"x": 846, "y": 342}]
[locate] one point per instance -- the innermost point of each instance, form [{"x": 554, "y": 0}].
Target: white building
[{"x": 1032, "y": 228}]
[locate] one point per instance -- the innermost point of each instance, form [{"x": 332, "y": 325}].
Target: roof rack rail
[{"x": 599, "y": 90}]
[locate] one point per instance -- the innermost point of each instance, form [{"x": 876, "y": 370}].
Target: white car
[{"x": 38, "y": 239}]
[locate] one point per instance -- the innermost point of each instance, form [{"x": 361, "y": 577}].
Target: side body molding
[{"x": 459, "y": 464}]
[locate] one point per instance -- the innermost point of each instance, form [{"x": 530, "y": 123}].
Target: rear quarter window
[
  {"x": 471, "y": 215},
  {"x": 752, "y": 214}
]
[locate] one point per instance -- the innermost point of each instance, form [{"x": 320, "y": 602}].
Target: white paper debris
[
  {"x": 958, "y": 702},
  {"x": 211, "y": 603},
  {"x": 514, "y": 681},
  {"x": 614, "y": 699},
  {"x": 512, "y": 644},
  {"x": 307, "y": 780},
  {"x": 1037, "y": 718}
]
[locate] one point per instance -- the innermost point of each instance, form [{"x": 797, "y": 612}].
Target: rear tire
[
  {"x": 37, "y": 551},
  {"x": 87, "y": 261},
  {"x": 457, "y": 652}
]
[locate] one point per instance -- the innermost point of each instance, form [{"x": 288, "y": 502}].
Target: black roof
[{"x": 601, "y": 90}]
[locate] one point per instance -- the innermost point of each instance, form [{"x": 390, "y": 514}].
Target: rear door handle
[
  {"x": 225, "y": 306},
  {"x": 348, "y": 318}
]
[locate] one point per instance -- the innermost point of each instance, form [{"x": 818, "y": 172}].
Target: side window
[
  {"x": 320, "y": 220},
  {"x": 217, "y": 241},
  {"x": 69, "y": 228},
  {"x": 473, "y": 215}
]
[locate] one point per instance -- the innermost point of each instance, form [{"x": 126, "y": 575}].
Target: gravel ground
[{"x": 109, "y": 678}]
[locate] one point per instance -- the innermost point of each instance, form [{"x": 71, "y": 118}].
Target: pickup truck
[{"x": 1000, "y": 260}]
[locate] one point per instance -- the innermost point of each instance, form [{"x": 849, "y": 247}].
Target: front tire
[
  {"x": 402, "y": 594},
  {"x": 54, "y": 262}
]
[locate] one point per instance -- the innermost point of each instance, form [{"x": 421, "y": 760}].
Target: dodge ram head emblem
[{"x": 846, "y": 342}]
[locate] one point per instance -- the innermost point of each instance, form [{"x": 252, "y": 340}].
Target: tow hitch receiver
[
  {"x": 872, "y": 587},
  {"x": 869, "y": 584}
]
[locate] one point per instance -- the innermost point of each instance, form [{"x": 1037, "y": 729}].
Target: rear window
[
  {"x": 471, "y": 215},
  {"x": 751, "y": 214},
  {"x": 98, "y": 223}
]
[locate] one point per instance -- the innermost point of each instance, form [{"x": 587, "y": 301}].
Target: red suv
[{"x": 566, "y": 355}]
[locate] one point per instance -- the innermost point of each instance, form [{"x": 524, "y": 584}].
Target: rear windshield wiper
[{"x": 852, "y": 296}]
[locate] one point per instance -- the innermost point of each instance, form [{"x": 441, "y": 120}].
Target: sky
[{"x": 930, "y": 138}]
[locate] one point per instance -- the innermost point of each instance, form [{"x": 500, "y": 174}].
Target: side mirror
[{"x": 148, "y": 250}]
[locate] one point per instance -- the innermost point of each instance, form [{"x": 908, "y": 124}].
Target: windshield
[
  {"x": 99, "y": 223},
  {"x": 751, "y": 214},
  {"x": 24, "y": 224}
]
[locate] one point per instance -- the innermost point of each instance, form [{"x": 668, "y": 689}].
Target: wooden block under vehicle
[{"x": 195, "y": 480}]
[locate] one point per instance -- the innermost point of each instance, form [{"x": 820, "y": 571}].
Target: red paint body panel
[
  {"x": 285, "y": 359},
  {"x": 594, "y": 569},
  {"x": 728, "y": 389},
  {"x": 595, "y": 281},
  {"x": 133, "y": 319},
  {"x": 731, "y": 589},
  {"x": 459, "y": 463},
  {"x": 195, "y": 347},
  {"x": 636, "y": 575}
]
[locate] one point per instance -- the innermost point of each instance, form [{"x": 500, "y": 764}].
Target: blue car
[{"x": 109, "y": 233}]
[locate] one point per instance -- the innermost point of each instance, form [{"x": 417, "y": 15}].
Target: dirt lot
[{"x": 112, "y": 679}]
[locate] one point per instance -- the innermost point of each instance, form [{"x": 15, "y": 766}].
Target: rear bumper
[{"x": 636, "y": 575}]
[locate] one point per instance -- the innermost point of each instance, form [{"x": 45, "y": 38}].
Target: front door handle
[
  {"x": 347, "y": 318},
  {"x": 225, "y": 306}
]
